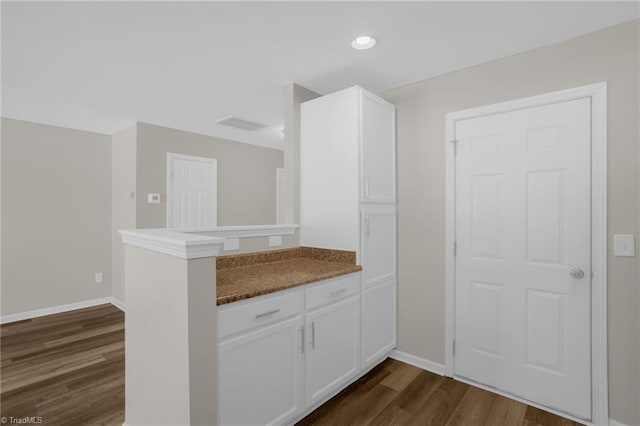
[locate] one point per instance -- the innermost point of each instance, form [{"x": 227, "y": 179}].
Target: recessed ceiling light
[{"x": 363, "y": 42}]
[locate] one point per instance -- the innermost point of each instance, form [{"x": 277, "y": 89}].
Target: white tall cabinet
[{"x": 348, "y": 199}]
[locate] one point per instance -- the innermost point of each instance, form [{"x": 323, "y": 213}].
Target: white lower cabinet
[
  {"x": 260, "y": 375},
  {"x": 333, "y": 348},
  {"x": 378, "y": 322},
  {"x": 282, "y": 355}
]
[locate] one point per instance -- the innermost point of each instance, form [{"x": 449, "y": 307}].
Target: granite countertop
[{"x": 248, "y": 275}]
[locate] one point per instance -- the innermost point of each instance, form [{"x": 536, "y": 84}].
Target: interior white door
[
  {"x": 191, "y": 192},
  {"x": 523, "y": 262}
]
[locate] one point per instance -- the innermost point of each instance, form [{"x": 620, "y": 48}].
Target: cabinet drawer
[
  {"x": 234, "y": 319},
  {"x": 332, "y": 290}
]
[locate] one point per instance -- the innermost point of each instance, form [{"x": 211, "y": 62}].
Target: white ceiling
[{"x": 101, "y": 66}]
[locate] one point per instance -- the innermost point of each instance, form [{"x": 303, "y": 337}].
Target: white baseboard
[
  {"x": 117, "y": 303},
  {"x": 5, "y": 319},
  {"x": 416, "y": 361}
]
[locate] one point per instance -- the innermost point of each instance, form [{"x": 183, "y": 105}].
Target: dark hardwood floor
[
  {"x": 68, "y": 369},
  {"x": 394, "y": 393}
]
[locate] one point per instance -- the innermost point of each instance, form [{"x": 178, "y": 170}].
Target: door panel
[
  {"x": 485, "y": 318},
  {"x": 523, "y": 222},
  {"x": 333, "y": 348},
  {"x": 485, "y": 210},
  {"x": 378, "y": 151},
  {"x": 378, "y": 235},
  {"x": 544, "y": 338},
  {"x": 378, "y": 321},
  {"x": 545, "y": 202},
  {"x": 260, "y": 375}
]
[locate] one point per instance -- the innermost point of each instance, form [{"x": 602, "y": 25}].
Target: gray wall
[
  {"x": 294, "y": 95},
  {"x": 66, "y": 193},
  {"x": 123, "y": 201},
  {"x": 56, "y": 215},
  {"x": 609, "y": 55},
  {"x": 246, "y": 176},
  {"x": 171, "y": 339}
]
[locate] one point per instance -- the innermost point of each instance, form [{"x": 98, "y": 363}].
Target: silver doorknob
[{"x": 577, "y": 273}]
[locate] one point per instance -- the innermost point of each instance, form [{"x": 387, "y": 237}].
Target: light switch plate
[
  {"x": 153, "y": 198},
  {"x": 624, "y": 245}
]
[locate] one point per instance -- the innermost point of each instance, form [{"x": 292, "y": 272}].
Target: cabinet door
[
  {"x": 329, "y": 186},
  {"x": 378, "y": 257},
  {"x": 378, "y": 150},
  {"x": 378, "y": 321},
  {"x": 333, "y": 348},
  {"x": 260, "y": 375}
]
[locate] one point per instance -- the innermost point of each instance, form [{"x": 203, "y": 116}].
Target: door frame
[
  {"x": 213, "y": 164},
  {"x": 598, "y": 94}
]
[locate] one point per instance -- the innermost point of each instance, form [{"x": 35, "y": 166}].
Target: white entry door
[
  {"x": 523, "y": 262},
  {"x": 191, "y": 191}
]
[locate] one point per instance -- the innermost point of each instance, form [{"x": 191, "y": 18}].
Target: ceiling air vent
[{"x": 239, "y": 123}]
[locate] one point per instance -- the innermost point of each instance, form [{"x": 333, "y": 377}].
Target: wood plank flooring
[
  {"x": 394, "y": 393},
  {"x": 67, "y": 369}
]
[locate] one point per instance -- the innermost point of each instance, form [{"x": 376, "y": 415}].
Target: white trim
[
  {"x": 598, "y": 94},
  {"x": 117, "y": 303},
  {"x": 416, "y": 361},
  {"x": 599, "y": 346},
  {"x": 449, "y": 244},
  {"x": 246, "y": 231},
  {"x": 174, "y": 243},
  {"x": 6, "y": 319},
  {"x": 213, "y": 164}
]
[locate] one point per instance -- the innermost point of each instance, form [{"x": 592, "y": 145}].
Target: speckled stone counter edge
[
  {"x": 246, "y": 259},
  {"x": 244, "y": 276},
  {"x": 268, "y": 286}
]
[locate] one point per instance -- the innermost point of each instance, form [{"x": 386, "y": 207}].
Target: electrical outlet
[
  {"x": 275, "y": 241},
  {"x": 98, "y": 277},
  {"x": 231, "y": 244}
]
